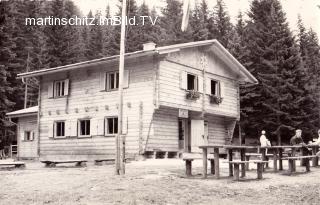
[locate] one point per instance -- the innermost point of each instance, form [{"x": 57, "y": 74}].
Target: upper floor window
[
  {"x": 192, "y": 82},
  {"x": 109, "y": 81},
  {"x": 84, "y": 128},
  {"x": 112, "y": 81},
  {"x": 215, "y": 88},
  {"x": 59, "y": 130},
  {"x": 58, "y": 88}
]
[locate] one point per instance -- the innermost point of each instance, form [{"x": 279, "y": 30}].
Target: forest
[{"x": 285, "y": 63}]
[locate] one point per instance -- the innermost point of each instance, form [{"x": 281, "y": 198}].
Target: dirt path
[{"x": 152, "y": 182}]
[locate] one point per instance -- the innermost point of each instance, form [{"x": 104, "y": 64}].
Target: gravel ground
[{"x": 154, "y": 181}]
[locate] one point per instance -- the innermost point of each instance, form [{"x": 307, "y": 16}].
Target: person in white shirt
[
  {"x": 264, "y": 142},
  {"x": 317, "y": 142}
]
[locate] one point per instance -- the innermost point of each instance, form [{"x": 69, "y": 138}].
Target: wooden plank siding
[
  {"x": 166, "y": 136},
  {"x": 27, "y": 149},
  {"x": 172, "y": 95},
  {"x": 86, "y": 100}
]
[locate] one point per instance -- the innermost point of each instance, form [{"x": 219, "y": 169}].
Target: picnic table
[
  {"x": 230, "y": 149},
  {"x": 242, "y": 149},
  {"x": 216, "y": 159}
]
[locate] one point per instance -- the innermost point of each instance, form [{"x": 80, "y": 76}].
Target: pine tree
[
  {"x": 6, "y": 56},
  {"x": 200, "y": 22},
  {"x": 95, "y": 41},
  {"x": 310, "y": 53},
  {"x": 171, "y": 24},
  {"x": 220, "y": 26},
  {"x": 110, "y": 45},
  {"x": 275, "y": 104}
]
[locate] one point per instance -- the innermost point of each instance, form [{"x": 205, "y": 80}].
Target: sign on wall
[{"x": 183, "y": 113}]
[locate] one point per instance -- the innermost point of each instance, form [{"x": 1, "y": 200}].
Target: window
[
  {"x": 59, "y": 87},
  {"x": 84, "y": 128},
  {"x": 112, "y": 125},
  {"x": 60, "y": 129},
  {"x": 28, "y": 136},
  {"x": 192, "y": 82},
  {"x": 112, "y": 81},
  {"x": 215, "y": 88}
]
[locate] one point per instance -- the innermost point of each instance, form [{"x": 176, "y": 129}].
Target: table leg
[
  {"x": 263, "y": 155},
  {"x": 291, "y": 165},
  {"x": 280, "y": 159},
  {"x": 188, "y": 167},
  {"x": 205, "y": 163},
  {"x": 243, "y": 166},
  {"x": 317, "y": 158},
  {"x": 259, "y": 170},
  {"x": 307, "y": 165},
  {"x": 236, "y": 172},
  {"x": 247, "y": 165},
  {"x": 314, "y": 160},
  {"x": 216, "y": 162},
  {"x": 275, "y": 163},
  {"x": 293, "y": 154},
  {"x": 230, "y": 165}
]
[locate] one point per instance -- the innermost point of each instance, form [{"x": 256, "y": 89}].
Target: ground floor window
[
  {"x": 28, "y": 136},
  {"x": 60, "y": 129},
  {"x": 84, "y": 128},
  {"x": 111, "y": 125}
]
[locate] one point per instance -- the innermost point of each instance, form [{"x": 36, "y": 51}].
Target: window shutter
[
  {"x": 200, "y": 84},
  {"x": 22, "y": 135},
  {"x": 222, "y": 89},
  {"x": 73, "y": 128},
  {"x": 208, "y": 86},
  {"x": 183, "y": 80},
  {"x": 51, "y": 129},
  {"x": 93, "y": 127},
  {"x": 31, "y": 135},
  {"x": 126, "y": 79},
  {"x": 100, "y": 129},
  {"x": 66, "y": 87},
  {"x": 50, "y": 90},
  {"x": 103, "y": 80},
  {"x": 67, "y": 127}
]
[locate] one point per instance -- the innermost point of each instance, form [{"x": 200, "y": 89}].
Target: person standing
[{"x": 297, "y": 140}]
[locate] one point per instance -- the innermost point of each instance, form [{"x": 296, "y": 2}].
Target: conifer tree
[
  {"x": 220, "y": 26},
  {"x": 275, "y": 104},
  {"x": 200, "y": 22},
  {"x": 110, "y": 45},
  {"x": 171, "y": 23}
]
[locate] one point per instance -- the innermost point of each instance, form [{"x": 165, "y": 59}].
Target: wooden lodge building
[{"x": 175, "y": 98}]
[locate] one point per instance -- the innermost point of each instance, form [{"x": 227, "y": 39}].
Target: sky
[{"x": 307, "y": 9}]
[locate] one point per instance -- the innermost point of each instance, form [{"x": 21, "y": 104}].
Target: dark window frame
[
  {"x": 111, "y": 126},
  {"x": 86, "y": 129},
  {"x": 60, "y": 129}
]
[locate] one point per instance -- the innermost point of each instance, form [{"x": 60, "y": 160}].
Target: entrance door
[
  {"x": 182, "y": 133},
  {"x": 198, "y": 135}
]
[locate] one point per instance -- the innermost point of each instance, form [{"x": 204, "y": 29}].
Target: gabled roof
[
  {"x": 24, "y": 112},
  {"x": 215, "y": 46}
]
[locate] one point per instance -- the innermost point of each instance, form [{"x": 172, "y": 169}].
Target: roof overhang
[
  {"x": 214, "y": 45},
  {"x": 31, "y": 111}
]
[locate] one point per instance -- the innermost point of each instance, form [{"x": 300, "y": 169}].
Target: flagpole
[{"x": 120, "y": 143}]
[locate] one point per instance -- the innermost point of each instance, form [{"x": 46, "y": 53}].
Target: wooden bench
[
  {"x": 189, "y": 157},
  {"x": 99, "y": 161},
  {"x": 15, "y": 164},
  {"x": 53, "y": 163},
  {"x": 291, "y": 162},
  {"x": 236, "y": 165}
]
